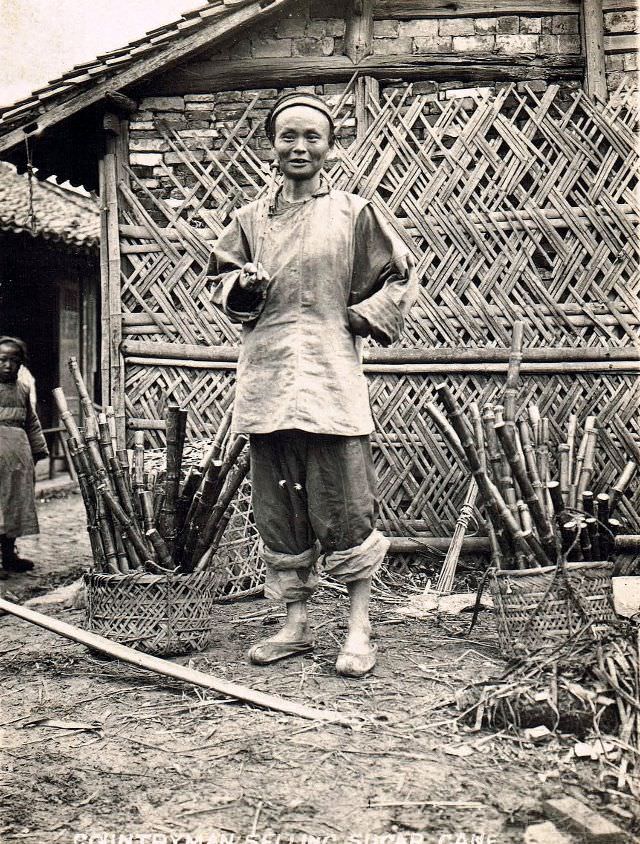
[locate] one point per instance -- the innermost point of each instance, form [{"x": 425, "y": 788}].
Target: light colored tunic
[
  {"x": 328, "y": 258},
  {"x": 21, "y": 439}
]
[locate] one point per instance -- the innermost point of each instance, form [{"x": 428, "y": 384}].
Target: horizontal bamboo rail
[
  {"x": 142, "y": 324},
  {"x": 490, "y": 220},
  {"x": 229, "y": 354},
  {"x": 480, "y": 367},
  {"x": 624, "y": 544}
]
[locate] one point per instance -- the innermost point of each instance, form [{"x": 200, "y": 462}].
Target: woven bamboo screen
[{"x": 518, "y": 206}]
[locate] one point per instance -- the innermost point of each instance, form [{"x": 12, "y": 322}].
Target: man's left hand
[{"x": 359, "y": 325}]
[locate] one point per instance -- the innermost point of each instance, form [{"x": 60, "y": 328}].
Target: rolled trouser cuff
[
  {"x": 290, "y": 577},
  {"x": 360, "y": 562}
]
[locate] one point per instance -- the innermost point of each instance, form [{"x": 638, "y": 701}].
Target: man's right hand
[{"x": 254, "y": 277}]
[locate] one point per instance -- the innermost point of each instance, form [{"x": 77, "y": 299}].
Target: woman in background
[{"x": 22, "y": 444}]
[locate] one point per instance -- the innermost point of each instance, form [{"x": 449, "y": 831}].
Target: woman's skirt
[{"x": 17, "y": 493}]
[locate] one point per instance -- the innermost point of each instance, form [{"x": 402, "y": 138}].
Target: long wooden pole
[{"x": 170, "y": 669}]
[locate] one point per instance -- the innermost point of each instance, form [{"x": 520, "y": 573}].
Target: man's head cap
[{"x": 291, "y": 100}]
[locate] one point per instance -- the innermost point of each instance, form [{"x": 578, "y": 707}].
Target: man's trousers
[{"x": 314, "y": 500}]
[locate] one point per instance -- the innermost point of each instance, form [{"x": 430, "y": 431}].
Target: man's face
[
  {"x": 301, "y": 141},
  {"x": 10, "y": 361}
]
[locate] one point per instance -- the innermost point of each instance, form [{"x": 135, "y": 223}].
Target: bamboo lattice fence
[{"x": 519, "y": 207}]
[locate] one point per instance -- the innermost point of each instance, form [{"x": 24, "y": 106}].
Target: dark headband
[{"x": 291, "y": 100}]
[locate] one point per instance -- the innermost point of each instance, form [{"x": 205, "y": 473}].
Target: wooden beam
[
  {"x": 184, "y": 47},
  {"x": 358, "y": 36},
  {"x": 417, "y": 9},
  {"x": 595, "y": 81},
  {"x": 120, "y": 103},
  {"x": 439, "y": 67}
]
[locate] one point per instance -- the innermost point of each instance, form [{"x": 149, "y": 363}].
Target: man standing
[{"x": 331, "y": 271}]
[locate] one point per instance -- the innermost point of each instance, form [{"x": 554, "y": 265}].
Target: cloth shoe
[{"x": 10, "y": 560}]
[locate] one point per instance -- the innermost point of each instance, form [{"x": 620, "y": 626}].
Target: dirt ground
[{"x": 136, "y": 758}]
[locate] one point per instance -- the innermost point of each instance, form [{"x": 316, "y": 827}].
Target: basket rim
[
  {"x": 146, "y": 577},
  {"x": 546, "y": 569}
]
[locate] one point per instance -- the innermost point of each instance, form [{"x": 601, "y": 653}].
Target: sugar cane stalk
[
  {"x": 88, "y": 497},
  {"x": 85, "y": 399},
  {"x": 572, "y": 429},
  {"x": 579, "y": 461},
  {"x": 506, "y": 436},
  {"x": 138, "y": 464},
  {"x": 176, "y": 422},
  {"x": 65, "y": 415},
  {"x": 232, "y": 484},
  {"x": 121, "y": 551},
  {"x": 453, "y": 553},
  {"x": 530, "y": 460},
  {"x": 146, "y": 505},
  {"x": 513, "y": 371},
  {"x": 563, "y": 470},
  {"x": 447, "y": 432},
  {"x": 160, "y": 548},
  {"x": 121, "y": 488},
  {"x": 543, "y": 463},
  {"x": 124, "y": 521},
  {"x": 586, "y": 470},
  {"x": 106, "y": 534},
  {"x": 621, "y": 485},
  {"x": 94, "y": 453},
  {"x": 594, "y": 537}
]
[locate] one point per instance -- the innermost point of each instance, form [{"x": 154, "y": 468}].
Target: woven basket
[
  {"x": 544, "y": 607},
  {"x": 159, "y": 614}
]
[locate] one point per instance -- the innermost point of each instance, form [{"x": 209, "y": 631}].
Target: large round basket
[
  {"x": 159, "y": 614},
  {"x": 538, "y": 608}
]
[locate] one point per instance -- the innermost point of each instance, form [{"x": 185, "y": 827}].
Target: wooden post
[
  {"x": 595, "y": 82},
  {"x": 105, "y": 353},
  {"x": 358, "y": 37},
  {"x": 112, "y": 313},
  {"x": 358, "y": 44}
]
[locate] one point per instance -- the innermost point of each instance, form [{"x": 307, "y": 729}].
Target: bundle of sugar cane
[
  {"x": 149, "y": 521},
  {"x": 533, "y": 520},
  {"x": 584, "y": 511}
]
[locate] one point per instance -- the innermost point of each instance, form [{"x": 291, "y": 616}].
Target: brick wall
[
  {"x": 622, "y": 42},
  {"x": 507, "y": 35}
]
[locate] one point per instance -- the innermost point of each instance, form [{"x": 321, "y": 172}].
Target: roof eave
[{"x": 146, "y": 67}]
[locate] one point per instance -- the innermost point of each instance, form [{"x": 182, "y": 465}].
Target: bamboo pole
[
  {"x": 171, "y": 669},
  {"x": 399, "y": 356}
]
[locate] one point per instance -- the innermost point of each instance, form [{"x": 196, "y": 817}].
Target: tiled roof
[
  {"x": 86, "y": 76},
  {"x": 60, "y": 214}
]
